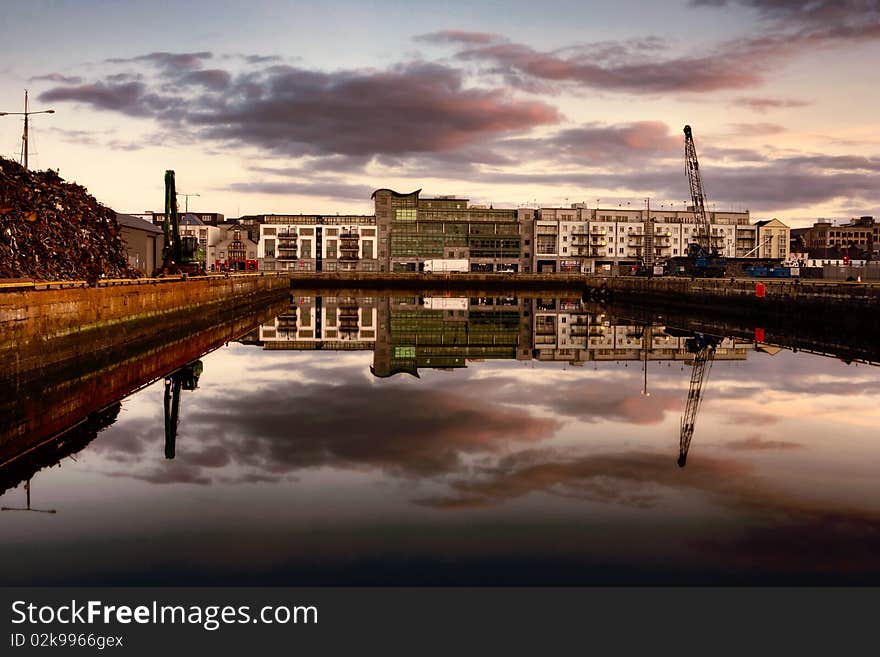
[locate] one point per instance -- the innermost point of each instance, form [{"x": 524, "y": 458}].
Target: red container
[{"x": 759, "y": 290}]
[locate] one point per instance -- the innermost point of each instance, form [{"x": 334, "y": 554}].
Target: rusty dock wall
[{"x": 63, "y": 323}]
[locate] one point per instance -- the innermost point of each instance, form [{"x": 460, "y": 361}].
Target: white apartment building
[
  {"x": 318, "y": 243},
  {"x": 579, "y": 239}
]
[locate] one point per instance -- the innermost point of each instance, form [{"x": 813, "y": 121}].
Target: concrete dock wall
[{"x": 39, "y": 328}]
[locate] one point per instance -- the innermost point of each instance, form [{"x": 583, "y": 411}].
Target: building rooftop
[{"x": 137, "y": 223}]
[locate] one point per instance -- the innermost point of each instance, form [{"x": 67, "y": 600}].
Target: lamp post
[
  {"x": 186, "y": 201},
  {"x": 24, "y": 137}
]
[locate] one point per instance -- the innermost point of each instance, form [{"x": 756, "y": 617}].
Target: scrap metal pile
[{"x": 53, "y": 230}]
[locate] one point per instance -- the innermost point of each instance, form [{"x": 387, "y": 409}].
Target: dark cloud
[
  {"x": 842, "y": 13},
  {"x": 338, "y": 190},
  {"x": 130, "y": 98},
  {"x": 171, "y": 61},
  {"x": 637, "y": 66},
  {"x": 624, "y": 70},
  {"x": 628, "y": 143},
  {"x": 214, "y": 79},
  {"x": 412, "y": 108}
]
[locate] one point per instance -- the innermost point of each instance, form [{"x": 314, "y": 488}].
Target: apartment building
[
  {"x": 413, "y": 229},
  {"x": 862, "y": 233},
  {"x": 318, "y": 243},
  {"x": 581, "y": 239}
]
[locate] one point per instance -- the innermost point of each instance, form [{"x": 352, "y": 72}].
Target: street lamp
[{"x": 24, "y": 137}]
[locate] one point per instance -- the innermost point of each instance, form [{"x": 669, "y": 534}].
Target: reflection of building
[
  {"x": 407, "y": 334},
  {"x": 445, "y": 333},
  {"x": 341, "y": 322},
  {"x": 565, "y": 331}
]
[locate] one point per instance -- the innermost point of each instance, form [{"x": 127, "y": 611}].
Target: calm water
[{"x": 475, "y": 440}]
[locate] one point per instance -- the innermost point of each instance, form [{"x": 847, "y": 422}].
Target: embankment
[{"x": 56, "y": 328}]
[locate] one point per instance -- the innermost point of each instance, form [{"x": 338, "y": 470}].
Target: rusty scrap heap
[{"x": 53, "y": 230}]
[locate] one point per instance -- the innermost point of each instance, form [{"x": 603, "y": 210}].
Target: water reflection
[{"x": 483, "y": 439}]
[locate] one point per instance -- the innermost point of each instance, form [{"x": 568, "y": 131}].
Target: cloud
[
  {"x": 412, "y": 108},
  {"x": 762, "y": 105},
  {"x": 57, "y": 78},
  {"x": 335, "y": 189},
  {"x": 460, "y": 37},
  {"x": 756, "y": 129},
  {"x": 171, "y": 61},
  {"x": 638, "y": 66},
  {"x": 757, "y": 443},
  {"x": 131, "y": 98}
]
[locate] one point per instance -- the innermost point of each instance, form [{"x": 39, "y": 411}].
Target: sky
[{"x": 278, "y": 107}]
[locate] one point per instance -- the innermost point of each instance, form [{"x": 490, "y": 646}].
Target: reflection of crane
[
  {"x": 703, "y": 348},
  {"x": 27, "y": 490},
  {"x": 187, "y": 378}
]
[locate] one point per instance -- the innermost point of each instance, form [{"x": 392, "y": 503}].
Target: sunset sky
[{"x": 272, "y": 106}]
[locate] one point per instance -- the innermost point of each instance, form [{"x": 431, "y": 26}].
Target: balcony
[{"x": 349, "y": 246}]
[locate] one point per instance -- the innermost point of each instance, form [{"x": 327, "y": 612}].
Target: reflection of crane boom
[
  {"x": 187, "y": 378},
  {"x": 703, "y": 348}
]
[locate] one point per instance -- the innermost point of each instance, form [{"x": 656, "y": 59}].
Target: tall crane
[
  {"x": 181, "y": 254},
  {"x": 702, "y": 258},
  {"x": 698, "y": 197},
  {"x": 703, "y": 348}
]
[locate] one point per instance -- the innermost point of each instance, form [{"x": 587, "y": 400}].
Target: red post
[
  {"x": 759, "y": 290},
  {"x": 759, "y": 335}
]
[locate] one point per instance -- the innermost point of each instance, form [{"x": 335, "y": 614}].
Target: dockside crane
[
  {"x": 703, "y": 347},
  {"x": 703, "y": 259},
  {"x": 181, "y": 254}
]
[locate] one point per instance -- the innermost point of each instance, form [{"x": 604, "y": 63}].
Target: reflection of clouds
[
  {"x": 774, "y": 528},
  {"x": 756, "y": 442},
  {"x": 629, "y": 478},
  {"x": 269, "y": 433},
  {"x": 591, "y": 400}
]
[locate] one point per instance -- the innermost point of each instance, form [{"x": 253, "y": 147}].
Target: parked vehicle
[{"x": 446, "y": 265}]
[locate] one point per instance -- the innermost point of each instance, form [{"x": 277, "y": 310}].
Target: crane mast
[
  {"x": 698, "y": 196},
  {"x": 704, "y": 355}
]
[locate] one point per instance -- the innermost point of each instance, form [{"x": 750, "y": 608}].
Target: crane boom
[
  {"x": 698, "y": 196},
  {"x": 704, "y": 355}
]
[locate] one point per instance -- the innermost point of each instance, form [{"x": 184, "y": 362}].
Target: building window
[
  {"x": 331, "y": 248},
  {"x": 307, "y": 249},
  {"x": 404, "y": 214},
  {"x": 268, "y": 231},
  {"x": 269, "y": 248},
  {"x": 367, "y": 249}
]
